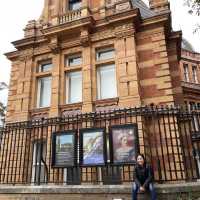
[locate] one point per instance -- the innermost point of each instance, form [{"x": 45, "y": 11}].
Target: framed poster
[
  {"x": 124, "y": 143},
  {"x": 64, "y": 149},
  {"x": 92, "y": 147}
]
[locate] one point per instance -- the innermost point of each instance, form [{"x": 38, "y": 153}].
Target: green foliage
[
  {"x": 2, "y": 107},
  {"x": 194, "y": 6},
  {"x": 2, "y": 110},
  {"x": 3, "y": 86}
]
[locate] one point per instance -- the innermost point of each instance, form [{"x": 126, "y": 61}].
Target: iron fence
[{"x": 169, "y": 137}]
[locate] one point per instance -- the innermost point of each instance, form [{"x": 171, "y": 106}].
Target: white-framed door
[{"x": 38, "y": 167}]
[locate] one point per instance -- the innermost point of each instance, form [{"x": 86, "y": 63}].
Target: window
[
  {"x": 105, "y": 54},
  {"x": 44, "y": 92},
  {"x": 186, "y": 73},
  {"x": 73, "y": 60},
  {"x": 45, "y": 67},
  {"x": 106, "y": 82},
  {"x": 197, "y": 157},
  {"x": 192, "y": 105},
  {"x": 74, "y": 4},
  {"x": 194, "y": 74},
  {"x": 74, "y": 87},
  {"x": 38, "y": 164}
]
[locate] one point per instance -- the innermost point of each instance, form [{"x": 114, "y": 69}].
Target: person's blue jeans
[{"x": 150, "y": 187}]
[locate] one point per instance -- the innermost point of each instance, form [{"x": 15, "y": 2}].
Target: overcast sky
[{"x": 15, "y": 14}]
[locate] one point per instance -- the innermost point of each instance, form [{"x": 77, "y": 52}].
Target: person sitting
[{"x": 143, "y": 179}]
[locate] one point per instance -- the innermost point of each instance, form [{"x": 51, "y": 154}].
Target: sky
[{"x": 14, "y": 16}]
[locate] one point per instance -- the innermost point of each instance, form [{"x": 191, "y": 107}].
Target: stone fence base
[{"x": 182, "y": 191}]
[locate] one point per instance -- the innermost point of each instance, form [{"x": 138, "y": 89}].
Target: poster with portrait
[
  {"x": 92, "y": 147},
  {"x": 124, "y": 143},
  {"x": 64, "y": 149}
]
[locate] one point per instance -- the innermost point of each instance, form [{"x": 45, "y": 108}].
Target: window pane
[
  {"x": 105, "y": 54},
  {"x": 74, "y": 4},
  {"x": 44, "y": 92},
  {"x": 74, "y": 87},
  {"x": 45, "y": 67},
  {"x": 186, "y": 72},
  {"x": 38, "y": 169},
  {"x": 74, "y": 60},
  {"x": 107, "y": 82},
  {"x": 194, "y": 71}
]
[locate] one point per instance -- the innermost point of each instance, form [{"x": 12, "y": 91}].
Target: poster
[
  {"x": 124, "y": 143},
  {"x": 92, "y": 147},
  {"x": 63, "y": 149}
]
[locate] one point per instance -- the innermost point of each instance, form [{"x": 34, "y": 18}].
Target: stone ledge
[{"x": 97, "y": 189}]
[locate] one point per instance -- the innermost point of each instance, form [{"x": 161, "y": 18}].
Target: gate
[{"x": 169, "y": 137}]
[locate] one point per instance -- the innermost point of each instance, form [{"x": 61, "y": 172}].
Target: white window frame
[
  {"x": 197, "y": 157},
  {"x": 68, "y": 86},
  {"x": 99, "y": 93},
  {"x": 40, "y": 67},
  {"x": 74, "y": 56},
  {"x": 34, "y": 162},
  {"x": 105, "y": 50},
  {"x": 186, "y": 72},
  {"x": 194, "y": 74},
  {"x": 39, "y": 91}
]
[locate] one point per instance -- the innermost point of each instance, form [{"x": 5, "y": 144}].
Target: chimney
[{"x": 159, "y": 5}]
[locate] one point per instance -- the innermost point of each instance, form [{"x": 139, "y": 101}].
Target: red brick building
[
  {"x": 190, "y": 73},
  {"x": 137, "y": 44}
]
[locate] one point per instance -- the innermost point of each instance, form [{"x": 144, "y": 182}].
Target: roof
[{"x": 144, "y": 9}]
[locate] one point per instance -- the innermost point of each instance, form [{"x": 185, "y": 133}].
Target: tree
[
  {"x": 2, "y": 107},
  {"x": 194, "y": 6},
  {"x": 3, "y": 86}
]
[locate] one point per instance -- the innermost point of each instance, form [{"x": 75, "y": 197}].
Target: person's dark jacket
[{"x": 143, "y": 175}]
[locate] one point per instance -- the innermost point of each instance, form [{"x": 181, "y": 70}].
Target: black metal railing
[{"x": 169, "y": 137}]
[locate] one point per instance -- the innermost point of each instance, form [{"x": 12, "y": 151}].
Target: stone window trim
[
  {"x": 72, "y": 69},
  {"x": 69, "y": 109},
  {"x": 105, "y": 62},
  {"x": 43, "y": 59},
  {"x": 43, "y": 74},
  {"x": 106, "y": 102},
  {"x": 71, "y": 106},
  {"x": 39, "y": 113}
]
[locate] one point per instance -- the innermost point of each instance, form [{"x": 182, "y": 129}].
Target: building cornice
[
  {"x": 193, "y": 52},
  {"x": 132, "y": 15},
  {"x": 12, "y": 55},
  {"x": 160, "y": 18},
  {"x": 193, "y": 60},
  {"x": 68, "y": 26},
  {"x": 30, "y": 41},
  {"x": 191, "y": 87}
]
